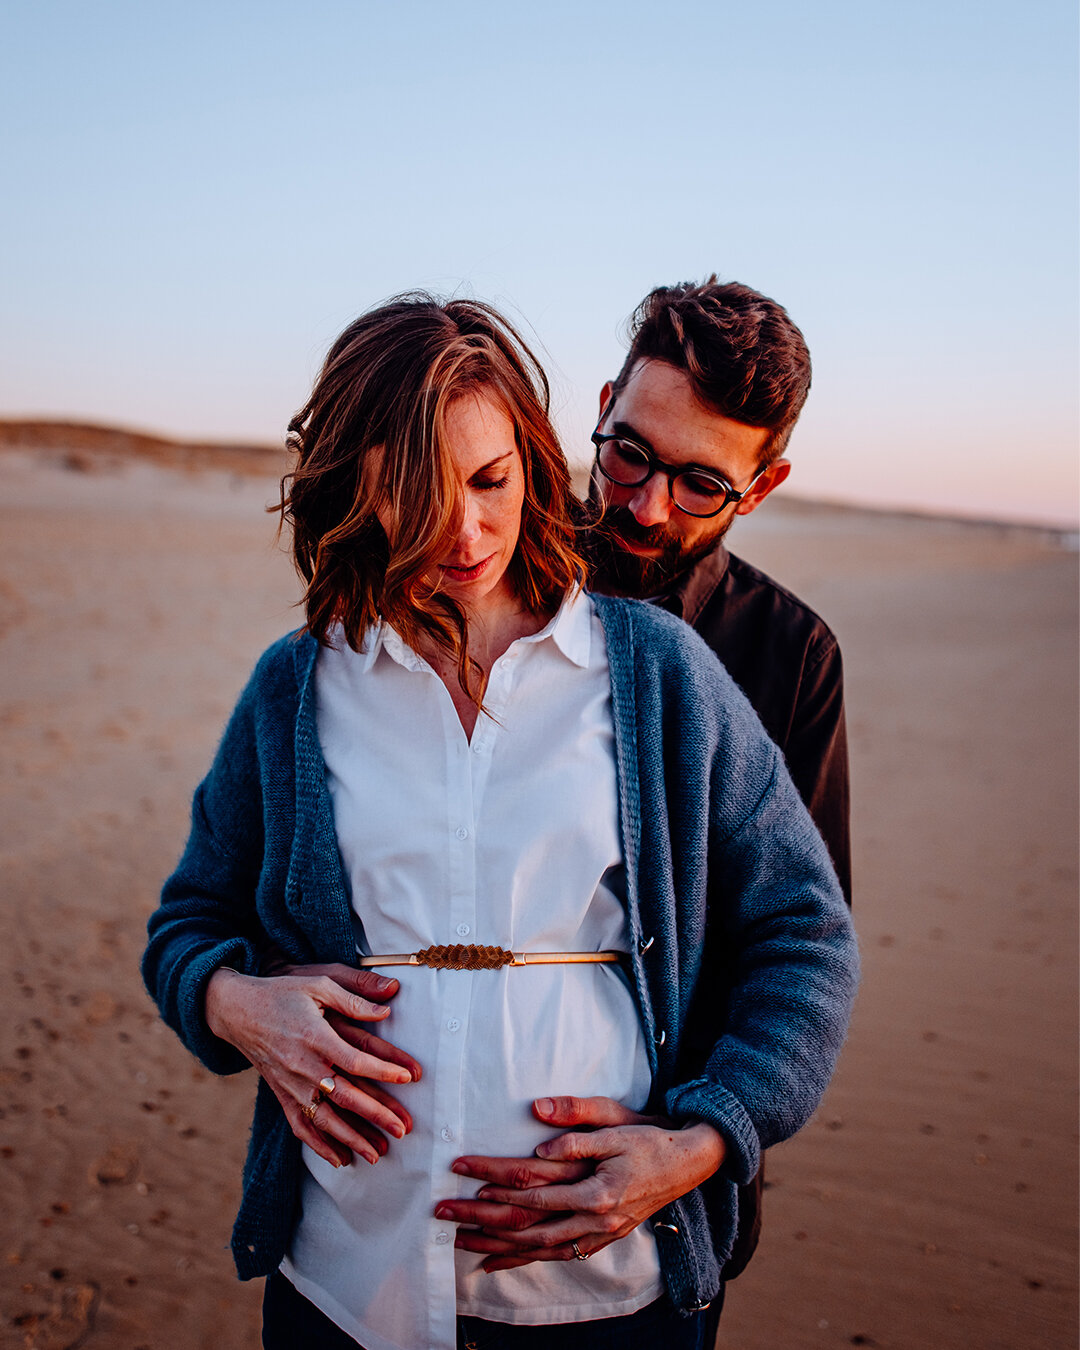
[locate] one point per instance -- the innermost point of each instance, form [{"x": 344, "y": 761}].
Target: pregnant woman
[{"x": 518, "y": 815}]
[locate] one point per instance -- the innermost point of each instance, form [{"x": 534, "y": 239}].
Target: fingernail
[
  {"x": 483, "y": 1194},
  {"x": 398, "y": 1131},
  {"x": 545, "y": 1106},
  {"x": 443, "y": 1212},
  {"x": 382, "y": 983},
  {"x": 403, "y": 1076},
  {"x": 460, "y": 1169}
]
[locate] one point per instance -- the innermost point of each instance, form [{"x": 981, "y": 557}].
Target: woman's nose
[
  {"x": 469, "y": 529},
  {"x": 651, "y": 501}
]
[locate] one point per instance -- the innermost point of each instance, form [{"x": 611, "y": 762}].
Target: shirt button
[
  {"x": 477, "y": 748},
  {"x": 453, "y": 1024},
  {"x": 463, "y": 930},
  {"x": 462, "y": 832},
  {"x": 442, "y": 1237},
  {"x": 447, "y": 1133}
]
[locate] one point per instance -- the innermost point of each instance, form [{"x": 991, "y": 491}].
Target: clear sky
[{"x": 199, "y": 196}]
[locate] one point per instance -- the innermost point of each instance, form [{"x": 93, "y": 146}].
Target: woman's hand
[
  {"x": 298, "y": 1028},
  {"x": 585, "y": 1188}
]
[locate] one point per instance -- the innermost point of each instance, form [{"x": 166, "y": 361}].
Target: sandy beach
[{"x": 931, "y": 1202}]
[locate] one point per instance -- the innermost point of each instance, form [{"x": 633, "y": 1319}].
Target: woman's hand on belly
[
  {"x": 301, "y": 1027},
  {"x": 588, "y": 1189}
]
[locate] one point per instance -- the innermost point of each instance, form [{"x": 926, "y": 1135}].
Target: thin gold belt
[{"x": 484, "y": 958}]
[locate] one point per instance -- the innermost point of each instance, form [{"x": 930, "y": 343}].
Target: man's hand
[{"x": 585, "y": 1188}]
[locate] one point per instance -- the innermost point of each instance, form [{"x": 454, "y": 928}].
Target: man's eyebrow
[{"x": 625, "y": 429}]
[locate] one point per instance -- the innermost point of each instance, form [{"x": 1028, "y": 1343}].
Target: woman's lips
[{"x": 460, "y": 572}]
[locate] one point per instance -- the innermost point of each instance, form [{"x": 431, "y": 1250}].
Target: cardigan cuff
[
  {"x": 218, "y": 1055},
  {"x": 708, "y": 1101}
]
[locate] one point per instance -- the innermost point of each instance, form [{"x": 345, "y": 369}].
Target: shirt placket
[{"x": 455, "y": 922}]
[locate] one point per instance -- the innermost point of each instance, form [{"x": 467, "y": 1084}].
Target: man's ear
[
  {"x": 605, "y": 396},
  {"x": 773, "y": 476}
]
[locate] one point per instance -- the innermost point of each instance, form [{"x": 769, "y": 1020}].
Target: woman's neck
[{"x": 492, "y": 630}]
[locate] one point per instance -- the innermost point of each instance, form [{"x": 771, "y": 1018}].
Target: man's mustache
[{"x": 620, "y": 521}]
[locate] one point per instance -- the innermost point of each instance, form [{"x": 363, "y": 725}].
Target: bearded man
[{"x": 692, "y": 433}]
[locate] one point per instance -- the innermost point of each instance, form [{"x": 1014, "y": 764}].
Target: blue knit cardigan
[{"x": 743, "y": 958}]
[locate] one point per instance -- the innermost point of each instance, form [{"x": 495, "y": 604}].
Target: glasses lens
[
  {"x": 698, "y": 494},
  {"x": 624, "y": 462}
]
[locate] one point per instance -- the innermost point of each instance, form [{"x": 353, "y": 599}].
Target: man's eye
[
  {"x": 630, "y": 454},
  {"x": 702, "y": 486}
]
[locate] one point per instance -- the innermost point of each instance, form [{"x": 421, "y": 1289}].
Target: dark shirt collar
[{"x": 694, "y": 589}]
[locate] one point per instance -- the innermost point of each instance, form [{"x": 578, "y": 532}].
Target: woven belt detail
[
  {"x": 464, "y": 958},
  {"x": 461, "y": 957}
]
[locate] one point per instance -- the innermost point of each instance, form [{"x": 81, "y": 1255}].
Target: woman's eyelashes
[{"x": 488, "y": 484}]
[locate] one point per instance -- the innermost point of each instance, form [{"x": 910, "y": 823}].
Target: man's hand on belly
[{"x": 585, "y": 1188}]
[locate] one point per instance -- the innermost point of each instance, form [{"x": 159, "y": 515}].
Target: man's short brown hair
[{"x": 744, "y": 356}]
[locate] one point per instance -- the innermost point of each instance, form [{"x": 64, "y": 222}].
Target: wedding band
[
  {"x": 327, "y": 1086},
  {"x": 311, "y": 1108},
  {"x": 579, "y": 1255}
]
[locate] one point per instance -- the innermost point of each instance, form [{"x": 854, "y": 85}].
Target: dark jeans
[{"x": 290, "y": 1322}]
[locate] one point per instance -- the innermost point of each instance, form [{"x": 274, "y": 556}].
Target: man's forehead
[{"x": 659, "y": 406}]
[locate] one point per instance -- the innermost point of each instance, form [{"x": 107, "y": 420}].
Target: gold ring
[
  {"x": 579, "y": 1255},
  {"x": 312, "y": 1107},
  {"x": 327, "y": 1085}
]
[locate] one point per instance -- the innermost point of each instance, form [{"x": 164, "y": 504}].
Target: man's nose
[{"x": 650, "y": 502}]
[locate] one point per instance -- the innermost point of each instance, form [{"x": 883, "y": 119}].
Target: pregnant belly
[{"x": 547, "y": 1031}]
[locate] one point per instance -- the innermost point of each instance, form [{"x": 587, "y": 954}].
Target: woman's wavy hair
[{"x": 386, "y": 386}]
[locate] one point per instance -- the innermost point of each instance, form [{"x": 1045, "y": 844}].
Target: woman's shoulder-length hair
[{"x": 373, "y": 433}]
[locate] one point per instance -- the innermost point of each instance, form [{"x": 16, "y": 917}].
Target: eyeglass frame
[{"x": 656, "y": 465}]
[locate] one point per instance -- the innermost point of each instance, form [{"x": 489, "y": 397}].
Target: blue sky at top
[{"x": 200, "y": 196}]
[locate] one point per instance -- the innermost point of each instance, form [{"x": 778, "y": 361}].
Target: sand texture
[{"x": 931, "y": 1202}]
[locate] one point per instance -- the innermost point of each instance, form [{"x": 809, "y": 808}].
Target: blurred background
[{"x": 199, "y": 198}]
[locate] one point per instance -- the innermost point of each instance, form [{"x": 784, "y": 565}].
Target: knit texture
[{"x": 724, "y": 872}]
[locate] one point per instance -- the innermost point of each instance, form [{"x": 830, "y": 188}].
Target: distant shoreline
[{"x": 83, "y": 446}]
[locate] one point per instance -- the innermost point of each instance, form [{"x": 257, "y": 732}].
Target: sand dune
[{"x": 931, "y": 1203}]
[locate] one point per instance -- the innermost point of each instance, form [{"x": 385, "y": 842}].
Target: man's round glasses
[{"x": 693, "y": 491}]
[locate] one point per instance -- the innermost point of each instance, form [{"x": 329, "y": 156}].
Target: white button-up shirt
[{"x": 510, "y": 839}]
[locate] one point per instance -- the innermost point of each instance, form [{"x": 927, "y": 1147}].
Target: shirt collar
[
  {"x": 570, "y": 628},
  {"x": 692, "y": 591}
]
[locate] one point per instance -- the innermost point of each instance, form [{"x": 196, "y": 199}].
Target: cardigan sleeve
[
  {"x": 777, "y": 905},
  {"x": 206, "y": 918}
]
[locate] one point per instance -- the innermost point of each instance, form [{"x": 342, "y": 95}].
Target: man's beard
[{"x": 626, "y": 573}]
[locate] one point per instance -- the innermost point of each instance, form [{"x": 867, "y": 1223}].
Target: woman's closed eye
[{"x": 489, "y": 484}]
